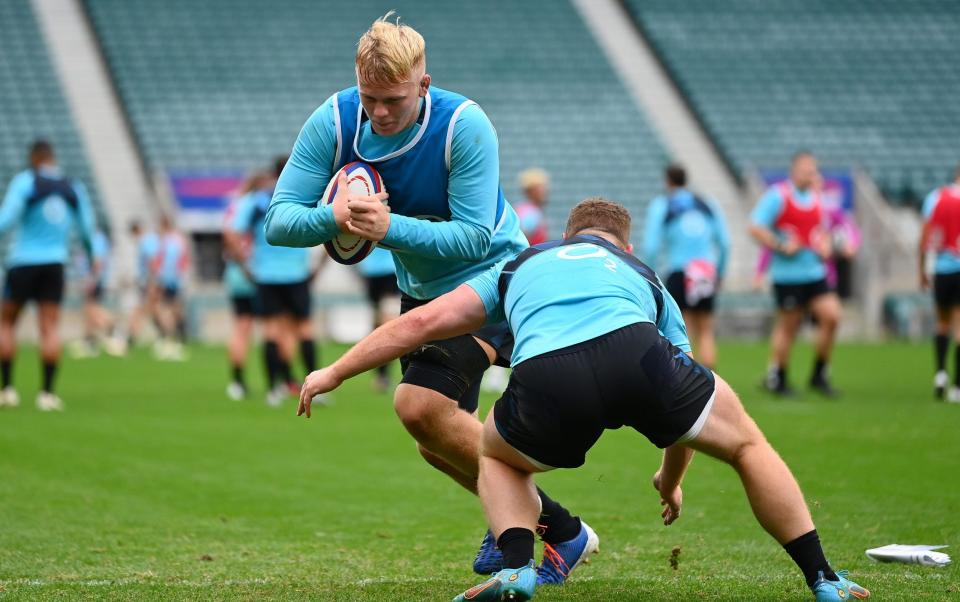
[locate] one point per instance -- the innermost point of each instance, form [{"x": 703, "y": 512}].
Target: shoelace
[{"x": 550, "y": 554}]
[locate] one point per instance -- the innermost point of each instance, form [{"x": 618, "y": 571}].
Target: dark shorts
[
  {"x": 454, "y": 367},
  {"x": 242, "y": 306},
  {"x": 170, "y": 292},
  {"x": 799, "y": 296},
  {"x": 558, "y": 404},
  {"x": 381, "y": 287},
  {"x": 284, "y": 299},
  {"x": 946, "y": 290},
  {"x": 41, "y": 283},
  {"x": 677, "y": 289}
]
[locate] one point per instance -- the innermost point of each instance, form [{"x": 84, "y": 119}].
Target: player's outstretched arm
[
  {"x": 458, "y": 312},
  {"x": 667, "y": 480}
]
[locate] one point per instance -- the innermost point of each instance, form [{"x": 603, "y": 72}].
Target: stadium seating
[
  {"x": 32, "y": 105},
  {"x": 870, "y": 82},
  {"x": 227, "y": 83}
]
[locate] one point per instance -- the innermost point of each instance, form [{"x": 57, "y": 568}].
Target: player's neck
[{"x": 610, "y": 238}]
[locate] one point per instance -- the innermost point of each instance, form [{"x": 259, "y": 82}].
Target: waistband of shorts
[{"x": 583, "y": 345}]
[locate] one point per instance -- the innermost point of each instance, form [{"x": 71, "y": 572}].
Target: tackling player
[
  {"x": 448, "y": 221},
  {"x": 599, "y": 345}
]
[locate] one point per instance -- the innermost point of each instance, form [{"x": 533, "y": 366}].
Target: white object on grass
[{"x": 924, "y": 555}]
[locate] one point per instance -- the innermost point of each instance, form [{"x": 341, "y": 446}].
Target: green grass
[{"x": 153, "y": 486}]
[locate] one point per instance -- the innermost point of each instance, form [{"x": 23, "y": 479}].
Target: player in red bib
[
  {"x": 941, "y": 234},
  {"x": 788, "y": 220}
]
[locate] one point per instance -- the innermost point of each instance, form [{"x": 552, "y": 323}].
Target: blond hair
[
  {"x": 533, "y": 177},
  {"x": 597, "y": 213},
  {"x": 388, "y": 52}
]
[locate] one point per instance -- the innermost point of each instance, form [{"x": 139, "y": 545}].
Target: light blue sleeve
[
  {"x": 294, "y": 218},
  {"x": 671, "y": 323},
  {"x": 472, "y": 188},
  {"x": 768, "y": 209},
  {"x": 930, "y": 203},
  {"x": 15, "y": 201},
  {"x": 530, "y": 221},
  {"x": 722, "y": 237},
  {"x": 486, "y": 285},
  {"x": 653, "y": 231},
  {"x": 243, "y": 215},
  {"x": 87, "y": 219}
]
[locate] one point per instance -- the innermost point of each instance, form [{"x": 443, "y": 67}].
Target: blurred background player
[
  {"x": 98, "y": 321},
  {"x": 535, "y": 184},
  {"x": 941, "y": 234},
  {"x": 241, "y": 290},
  {"x": 170, "y": 265},
  {"x": 407, "y": 128},
  {"x": 788, "y": 220},
  {"x": 147, "y": 245},
  {"x": 380, "y": 278},
  {"x": 42, "y": 206},
  {"x": 694, "y": 234},
  {"x": 282, "y": 276}
]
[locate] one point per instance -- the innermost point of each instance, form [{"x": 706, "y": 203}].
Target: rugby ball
[{"x": 362, "y": 179}]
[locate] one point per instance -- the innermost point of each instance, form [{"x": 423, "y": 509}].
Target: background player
[
  {"x": 42, "y": 206},
  {"x": 599, "y": 344},
  {"x": 448, "y": 221},
  {"x": 941, "y": 233},
  {"x": 98, "y": 321},
  {"x": 788, "y": 220},
  {"x": 241, "y": 290},
  {"x": 170, "y": 265},
  {"x": 535, "y": 184},
  {"x": 282, "y": 276},
  {"x": 694, "y": 234}
]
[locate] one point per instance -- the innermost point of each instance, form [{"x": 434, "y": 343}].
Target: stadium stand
[
  {"x": 32, "y": 105},
  {"x": 225, "y": 83},
  {"x": 867, "y": 82}
]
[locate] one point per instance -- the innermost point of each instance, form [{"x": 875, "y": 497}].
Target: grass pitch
[{"x": 152, "y": 485}]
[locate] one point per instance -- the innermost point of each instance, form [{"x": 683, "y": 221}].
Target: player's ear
[
  {"x": 629, "y": 247},
  {"x": 564, "y": 235},
  {"x": 424, "y": 84}
]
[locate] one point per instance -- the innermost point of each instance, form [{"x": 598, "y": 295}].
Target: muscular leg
[
  {"x": 732, "y": 436},
  {"x": 506, "y": 486}
]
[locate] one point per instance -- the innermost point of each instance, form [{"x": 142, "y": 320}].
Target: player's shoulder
[{"x": 23, "y": 180}]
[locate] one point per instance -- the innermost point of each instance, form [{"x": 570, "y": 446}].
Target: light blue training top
[
  {"x": 449, "y": 220},
  {"x": 269, "y": 264},
  {"x": 805, "y": 266},
  {"x": 690, "y": 228},
  {"x": 377, "y": 264},
  {"x": 570, "y": 293},
  {"x": 42, "y": 207},
  {"x": 947, "y": 262}
]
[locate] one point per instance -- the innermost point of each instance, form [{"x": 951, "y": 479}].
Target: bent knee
[{"x": 420, "y": 410}]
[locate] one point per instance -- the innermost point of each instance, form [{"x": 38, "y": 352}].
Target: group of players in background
[{"x": 399, "y": 123}]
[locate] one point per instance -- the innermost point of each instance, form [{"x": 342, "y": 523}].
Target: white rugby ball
[{"x": 362, "y": 179}]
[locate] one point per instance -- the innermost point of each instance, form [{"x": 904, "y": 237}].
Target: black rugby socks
[
  {"x": 271, "y": 359},
  {"x": 941, "y": 343},
  {"x": 49, "y": 371},
  {"x": 807, "y": 553},
  {"x": 5, "y": 370},
  {"x": 516, "y": 543},
  {"x": 558, "y": 525},
  {"x": 308, "y": 351}
]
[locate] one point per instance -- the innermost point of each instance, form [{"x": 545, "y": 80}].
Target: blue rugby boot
[
  {"x": 489, "y": 558},
  {"x": 559, "y": 560},
  {"x": 515, "y": 585},
  {"x": 841, "y": 590}
]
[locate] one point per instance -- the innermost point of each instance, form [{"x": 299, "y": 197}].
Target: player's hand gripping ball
[{"x": 362, "y": 180}]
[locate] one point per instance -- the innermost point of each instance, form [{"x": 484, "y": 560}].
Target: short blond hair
[
  {"x": 598, "y": 213},
  {"x": 389, "y": 51},
  {"x": 533, "y": 177}
]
